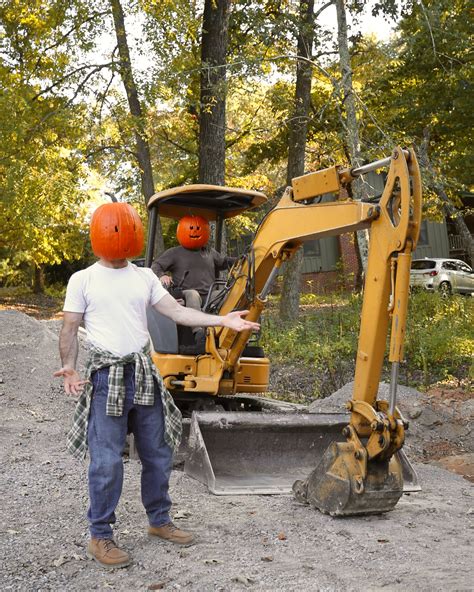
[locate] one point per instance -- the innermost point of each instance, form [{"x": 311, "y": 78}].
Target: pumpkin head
[
  {"x": 193, "y": 232},
  {"x": 116, "y": 231}
]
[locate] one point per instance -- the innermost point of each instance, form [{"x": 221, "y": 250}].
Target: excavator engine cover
[
  {"x": 265, "y": 453},
  {"x": 335, "y": 486}
]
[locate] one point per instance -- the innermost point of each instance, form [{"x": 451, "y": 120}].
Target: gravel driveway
[{"x": 253, "y": 542}]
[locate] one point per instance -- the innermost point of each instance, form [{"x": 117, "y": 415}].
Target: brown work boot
[
  {"x": 107, "y": 554},
  {"x": 170, "y": 532}
]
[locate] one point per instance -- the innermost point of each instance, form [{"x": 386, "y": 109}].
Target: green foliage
[
  {"x": 331, "y": 300},
  {"x": 440, "y": 338},
  {"x": 57, "y": 291},
  {"x": 323, "y": 339},
  {"x": 439, "y": 341},
  {"x": 40, "y": 175},
  {"x": 41, "y": 215},
  {"x": 64, "y": 113},
  {"x": 421, "y": 84}
]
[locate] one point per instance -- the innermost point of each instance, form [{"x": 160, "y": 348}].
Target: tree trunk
[
  {"x": 351, "y": 124},
  {"x": 212, "y": 116},
  {"x": 290, "y": 296},
  {"x": 142, "y": 147},
  {"x": 38, "y": 279},
  {"x": 449, "y": 208},
  {"x": 212, "y": 120}
]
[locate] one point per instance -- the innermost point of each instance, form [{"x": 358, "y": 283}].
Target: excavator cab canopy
[
  {"x": 210, "y": 201},
  {"x": 213, "y": 202}
]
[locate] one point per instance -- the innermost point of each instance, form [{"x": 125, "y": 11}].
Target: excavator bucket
[
  {"x": 335, "y": 487},
  {"x": 264, "y": 453}
]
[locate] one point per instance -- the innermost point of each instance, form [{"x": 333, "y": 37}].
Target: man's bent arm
[
  {"x": 195, "y": 318},
  {"x": 162, "y": 264},
  {"x": 68, "y": 344}
]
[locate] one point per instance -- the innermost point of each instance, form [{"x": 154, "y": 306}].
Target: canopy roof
[{"x": 210, "y": 201}]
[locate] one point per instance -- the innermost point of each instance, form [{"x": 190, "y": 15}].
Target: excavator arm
[
  {"x": 394, "y": 227},
  {"x": 363, "y": 475}
]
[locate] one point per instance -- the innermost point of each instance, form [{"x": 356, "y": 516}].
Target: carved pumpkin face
[
  {"x": 116, "y": 231},
  {"x": 193, "y": 232}
]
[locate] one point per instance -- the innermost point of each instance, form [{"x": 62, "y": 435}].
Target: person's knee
[
  {"x": 107, "y": 458},
  {"x": 192, "y": 299}
]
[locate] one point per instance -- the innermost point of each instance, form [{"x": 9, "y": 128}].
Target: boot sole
[
  {"x": 181, "y": 544},
  {"x": 108, "y": 565}
]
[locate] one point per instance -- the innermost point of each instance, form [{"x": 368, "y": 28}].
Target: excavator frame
[{"x": 365, "y": 471}]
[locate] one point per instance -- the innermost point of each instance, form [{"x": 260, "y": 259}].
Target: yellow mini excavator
[{"x": 240, "y": 443}]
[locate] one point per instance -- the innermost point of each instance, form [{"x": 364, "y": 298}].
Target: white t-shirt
[{"x": 114, "y": 303}]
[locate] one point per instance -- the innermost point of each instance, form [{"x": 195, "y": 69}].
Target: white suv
[{"x": 446, "y": 275}]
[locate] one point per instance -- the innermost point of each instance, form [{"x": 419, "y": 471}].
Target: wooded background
[{"x": 117, "y": 99}]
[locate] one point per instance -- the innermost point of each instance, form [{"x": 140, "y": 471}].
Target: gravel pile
[{"x": 438, "y": 426}]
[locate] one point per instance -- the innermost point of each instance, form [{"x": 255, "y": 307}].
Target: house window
[
  {"x": 423, "y": 240},
  {"x": 312, "y": 249}
]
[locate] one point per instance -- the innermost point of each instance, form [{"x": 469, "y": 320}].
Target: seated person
[{"x": 193, "y": 265}]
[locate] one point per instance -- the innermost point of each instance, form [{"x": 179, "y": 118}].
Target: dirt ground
[{"x": 252, "y": 542}]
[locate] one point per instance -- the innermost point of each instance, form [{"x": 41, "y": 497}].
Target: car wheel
[{"x": 445, "y": 289}]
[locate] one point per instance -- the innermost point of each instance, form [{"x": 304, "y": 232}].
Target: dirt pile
[{"x": 244, "y": 543}]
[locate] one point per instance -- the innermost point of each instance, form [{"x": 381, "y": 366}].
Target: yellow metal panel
[
  {"x": 174, "y": 364},
  {"x": 317, "y": 183},
  {"x": 253, "y": 375}
]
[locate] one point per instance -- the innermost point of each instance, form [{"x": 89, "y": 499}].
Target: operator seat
[
  {"x": 163, "y": 332},
  {"x": 168, "y": 337}
]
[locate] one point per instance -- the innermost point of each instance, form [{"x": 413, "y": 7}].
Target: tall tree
[
  {"x": 422, "y": 94},
  {"x": 351, "y": 126},
  {"x": 438, "y": 58},
  {"x": 212, "y": 120},
  {"x": 447, "y": 205},
  {"x": 298, "y": 126},
  {"x": 142, "y": 146}
]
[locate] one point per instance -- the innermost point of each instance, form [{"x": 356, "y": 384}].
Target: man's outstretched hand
[
  {"x": 73, "y": 384},
  {"x": 234, "y": 320}
]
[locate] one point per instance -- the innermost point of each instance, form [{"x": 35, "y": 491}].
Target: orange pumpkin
[
  {"x": 193, "y": 232},
  {"x": 116, "y": 231}
]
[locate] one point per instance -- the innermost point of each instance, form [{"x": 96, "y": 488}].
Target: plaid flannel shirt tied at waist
[{"x": 145, "y": 372}]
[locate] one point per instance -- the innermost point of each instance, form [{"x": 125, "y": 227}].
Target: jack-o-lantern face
[
  {"x": 193, "y": 232},
  {"x": 116, "y": 231}
]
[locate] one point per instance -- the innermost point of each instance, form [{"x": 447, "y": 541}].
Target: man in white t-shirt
[{"x": 123, "y": 390}]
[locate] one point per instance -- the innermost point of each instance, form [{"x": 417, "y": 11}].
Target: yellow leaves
[{"x": 256, "y": 180}]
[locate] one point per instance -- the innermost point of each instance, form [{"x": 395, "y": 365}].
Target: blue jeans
[{"x": 106, "y": 438}]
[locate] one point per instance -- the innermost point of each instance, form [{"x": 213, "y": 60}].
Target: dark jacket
[{"x": 202, "y": 267}]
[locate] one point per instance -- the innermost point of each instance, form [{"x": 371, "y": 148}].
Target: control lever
[{"x": 177, "y": 291}]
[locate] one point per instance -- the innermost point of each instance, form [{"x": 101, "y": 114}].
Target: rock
[{"x": 414, "y": 413}]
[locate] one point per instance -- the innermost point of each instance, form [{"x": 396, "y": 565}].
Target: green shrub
[
  {"x": 56, "y": 290},
  {"x": 440, "y": 338},
  {"x": 439, "y": 341}
]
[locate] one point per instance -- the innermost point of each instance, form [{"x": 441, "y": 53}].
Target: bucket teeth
[{"x": 300, "y": 491}]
